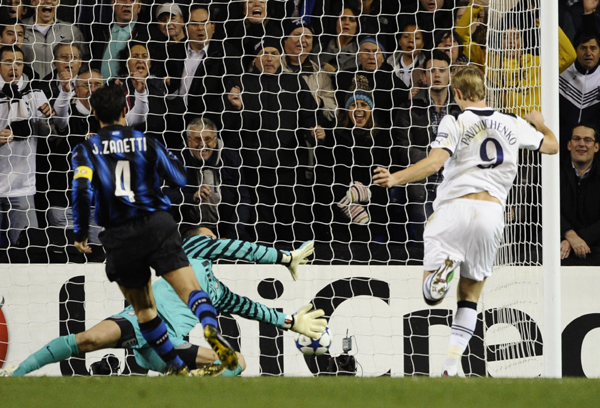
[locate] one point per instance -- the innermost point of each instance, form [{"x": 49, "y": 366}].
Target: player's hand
[
  {"x": 535, "y": 118},
  {"x": 565, "y": 249},
  {"x": 300, "y": 257},
  {"x": 45, "y": 109},
  {"x": 383, "y": 177},
  {"x": 83, "y": 247},
  {"x": 6, "y": 135},
  {"x": 310, "y": 324},
  {"x": 235, "y": 97}
]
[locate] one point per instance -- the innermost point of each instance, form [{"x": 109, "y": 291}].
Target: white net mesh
[{"x": 281, "y": 150}]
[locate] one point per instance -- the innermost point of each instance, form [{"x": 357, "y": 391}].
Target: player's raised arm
[
  {"x": 422, "y": 169},
  {"x": 550, "y": 144}
]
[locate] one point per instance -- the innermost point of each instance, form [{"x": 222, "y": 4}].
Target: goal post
[{"x": 550, "y": 195}]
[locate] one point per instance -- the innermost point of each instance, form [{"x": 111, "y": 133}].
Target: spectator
[
  {"x": 580, "y": 87},
  {"x": 75, "y": 123},
  {"x": 435, "y": 14},
  {"x": 23, "y": 118},
  {"x": 256, "y": 26},
  {"x": 580, "y": 195},
  {"x": 388, "y": 90},
  {"x": 146, "y": 95},
  {"x": 340, "y": 52},
  {"x": 43, "y": 31},
  {"x": 109, "y": 39},
  {"x": 169, "y": 29},
  {"x": 67, "y": 63},
  {"x": 12, "y": 32},
  {"x": 450, "y": 42},
  {"x": 415, "y": 128},
  {"x": 276, "y": 120},
  {"x": 297, "y": 46},
  {"x": 378, "y": 19},
  {"x": 201, "y": 78},
  {"x": 216, "y": 193},
  {"x": 459, "y": 10},
  {"x": 73, "y": 112},
  {"x": 16, "y": 9},
  {"x": 472, "y": 29},
  {"x": 408, "y": 55},
  {"x": 344, "y": 187}
]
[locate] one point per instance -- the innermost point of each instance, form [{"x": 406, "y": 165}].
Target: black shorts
[{"x": 151, "y": 241}]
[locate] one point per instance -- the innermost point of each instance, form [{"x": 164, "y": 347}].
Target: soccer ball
[{"x": 310, "y": 347}]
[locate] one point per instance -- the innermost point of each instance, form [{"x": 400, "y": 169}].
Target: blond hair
[{"x": 470, "y": 82}]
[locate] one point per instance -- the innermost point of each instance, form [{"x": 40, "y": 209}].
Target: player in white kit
[{"x": 479, "y": 152}]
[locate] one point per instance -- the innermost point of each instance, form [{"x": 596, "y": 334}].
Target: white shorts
[{"x": 466, "y": 231}]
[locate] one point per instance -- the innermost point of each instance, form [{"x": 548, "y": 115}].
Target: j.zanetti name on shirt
[
  {"x": 121, "y": 146},
  {"x": 484, "y": 124}
]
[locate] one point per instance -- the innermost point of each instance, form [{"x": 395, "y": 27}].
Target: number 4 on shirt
[{"x": 123, "y": 181}]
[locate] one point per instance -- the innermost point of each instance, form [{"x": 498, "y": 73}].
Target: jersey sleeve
[
  {"x": 448, "y": 135},
  {"x": 204, "y": 247},
  {"x": 169, "y": 167},
  {"x": 82, "y": 191},
  {"x": 233, "y": 303},
  {"x": 529, "y": 137}
]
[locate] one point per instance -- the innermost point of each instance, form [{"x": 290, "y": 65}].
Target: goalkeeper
[{"x": 122, "y": 330}]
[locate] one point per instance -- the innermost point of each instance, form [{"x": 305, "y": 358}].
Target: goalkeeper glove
[
  {"x": 298, "y": 257},
  {"x": 307, "y": 323}
]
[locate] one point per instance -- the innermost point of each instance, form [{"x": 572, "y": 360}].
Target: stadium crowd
[{"x": 280, "y": 110}]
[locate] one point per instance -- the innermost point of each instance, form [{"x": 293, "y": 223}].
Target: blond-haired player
[{"x": 478, "y": 149}]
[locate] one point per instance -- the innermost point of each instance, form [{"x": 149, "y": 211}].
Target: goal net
[{"x": 281, "y": 110}]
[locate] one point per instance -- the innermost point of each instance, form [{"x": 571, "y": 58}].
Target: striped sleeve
[
  {"x": 204, "y": 247},
  {"x": 233, "y": 303}
]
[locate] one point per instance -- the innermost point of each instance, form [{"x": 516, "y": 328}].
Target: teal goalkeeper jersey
[{"x": 201, "y": 251}]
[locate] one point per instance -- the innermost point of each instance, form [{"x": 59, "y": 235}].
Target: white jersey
[{"x": 484, "y": 151}]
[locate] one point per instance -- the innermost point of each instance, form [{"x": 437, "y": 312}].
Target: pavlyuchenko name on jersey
[
  {"x": 484, "y": 124},
  {"x": 128, "y": 145}
]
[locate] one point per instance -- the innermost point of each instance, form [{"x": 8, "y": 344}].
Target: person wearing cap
[
  {"x": 415, "y": 127},
  {"x": 257, "y": 25},
  {"x": 203, "y": 67},
  {"x": 107, "y": 40},
  {"x": 168, "y": 29},
  {"x": 349, "y": 201},
  {"x": 389, "y": 92},
  {"x": 297, "y": 47},
  {"x": 271, "y": 116},
  {"x": 170, "y": 21}
]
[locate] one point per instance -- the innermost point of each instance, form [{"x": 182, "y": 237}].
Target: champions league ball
[{"x": 310, "y": 347}]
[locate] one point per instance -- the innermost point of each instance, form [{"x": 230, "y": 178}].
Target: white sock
[{"x": 463, "y": 326}]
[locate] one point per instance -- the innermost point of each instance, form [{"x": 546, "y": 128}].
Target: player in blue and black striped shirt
[
  {"x": 122, "y": 330},
  {"x": 124, "y": 171}
]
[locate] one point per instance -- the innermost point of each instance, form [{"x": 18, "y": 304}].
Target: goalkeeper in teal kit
[{"x": 122, "y": 330}]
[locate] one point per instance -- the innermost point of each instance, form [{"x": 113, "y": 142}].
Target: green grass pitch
[{"x": 331, "y": 392}]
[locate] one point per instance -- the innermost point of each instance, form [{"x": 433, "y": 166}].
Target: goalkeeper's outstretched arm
[
  {"x": 204, "y": 245},
  {"x": 309, "y": 323}
]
